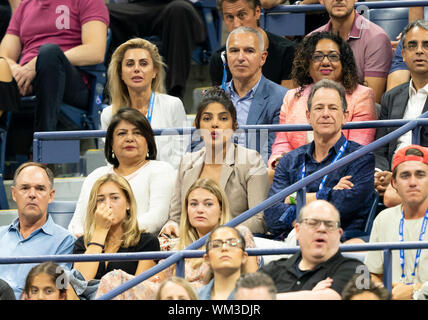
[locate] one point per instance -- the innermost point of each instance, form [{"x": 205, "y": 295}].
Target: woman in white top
[
  {"x": 136, "y": 79},
  {"x": 130, "y": 149}
]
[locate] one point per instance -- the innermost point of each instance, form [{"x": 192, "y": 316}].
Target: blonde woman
[
  {"x": 205, "y": 207},
  {"x": 111, "y": 226},
  {"x": 176, "y": 288},
  {"x": 136, "y": 79}
]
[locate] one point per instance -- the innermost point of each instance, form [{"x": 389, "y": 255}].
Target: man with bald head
[
  {"x": 34, "y": 232},
  {"x": 318, "y": 271}
]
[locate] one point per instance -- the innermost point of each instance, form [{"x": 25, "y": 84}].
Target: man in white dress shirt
[{"x": 407, "y": 101}]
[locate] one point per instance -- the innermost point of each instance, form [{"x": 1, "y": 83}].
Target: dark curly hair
[{"x": 302, "y": 60}]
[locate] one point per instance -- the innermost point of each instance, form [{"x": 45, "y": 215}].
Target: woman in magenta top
[{"x": 320, "y": 56}]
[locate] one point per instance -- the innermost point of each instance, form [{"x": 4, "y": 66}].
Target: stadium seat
[
  {"x": 7, "y": 216},
  {"x": 283, "y": 23},
  {"x": 213, "y": 25},
  {"x": 392, "y": 20},
  {"x": 62, "y": 212}
]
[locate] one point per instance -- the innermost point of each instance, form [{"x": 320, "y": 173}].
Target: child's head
[
  {"x": 356, "y": 290},
  {"x": 176, "y": 288},
  {"x": 44, "y": 283}
]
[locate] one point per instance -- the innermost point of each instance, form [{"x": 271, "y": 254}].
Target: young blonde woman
[
  {"x": 111, "y": 226},
  {"x": 205, "y": 207}
]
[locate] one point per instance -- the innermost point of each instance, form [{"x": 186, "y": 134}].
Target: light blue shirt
[
  {"x": 50, "y": 239},
  {"x": 204, "y": 293},
  {"x": 242, "y": 106}
]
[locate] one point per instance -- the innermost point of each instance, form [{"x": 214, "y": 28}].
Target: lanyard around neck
[
  {"x": 337, "y": 157},
  {"x": 418, "y": 252},
  {"x": 151, "y": 106}
]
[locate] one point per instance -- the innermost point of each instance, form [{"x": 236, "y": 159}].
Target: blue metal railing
[
  {"x": 43, "y": 150},
  {"x": 406, "y": 125},
  {"x": 369, "y": 4},
  {"x": 385, "y": 246},
  {"x": 411, "y": 125}
]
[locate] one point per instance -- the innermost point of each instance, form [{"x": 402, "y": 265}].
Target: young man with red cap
[{"x": 405, "y": 222}]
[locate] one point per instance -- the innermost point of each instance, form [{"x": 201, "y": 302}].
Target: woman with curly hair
[{"x": 323, "y": 55}]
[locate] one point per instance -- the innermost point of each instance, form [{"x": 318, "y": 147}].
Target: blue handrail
[
  {"x": 406, "y": 125},
  {"x": 274, "y": 199},
  {"x": 357, "y": 5},
  {"x": 40, "y": 152}
]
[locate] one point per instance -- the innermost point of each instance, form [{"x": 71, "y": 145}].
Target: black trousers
[
  {"x": 178, "y": 25},
  {"x": 56, "y": 81}
]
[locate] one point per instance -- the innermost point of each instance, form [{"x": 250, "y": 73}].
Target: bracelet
[
  {"x": 96, "y": 244},
  {"x": 292, "y": 198}
]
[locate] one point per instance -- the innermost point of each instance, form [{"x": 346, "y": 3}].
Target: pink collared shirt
[
  {"x": 53, "y": 21},
  {"x": 361, "y": 107}
]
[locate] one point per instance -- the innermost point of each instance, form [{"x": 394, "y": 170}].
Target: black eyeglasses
[
  {"x": 329, "y": 225},
  {"x": 218, "y": 244},
  {"x": 332, "y": 57},
  {"x": 413, "y": 45}
]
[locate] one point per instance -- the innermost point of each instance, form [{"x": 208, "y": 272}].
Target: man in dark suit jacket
[
  {"x": 407, "y": 101},
  {"x": 257, "y": 100}
]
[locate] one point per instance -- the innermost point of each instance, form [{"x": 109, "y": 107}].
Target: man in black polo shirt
[
  {"x": 237, "y": 13},
  {"x": 318, "y": 270}
]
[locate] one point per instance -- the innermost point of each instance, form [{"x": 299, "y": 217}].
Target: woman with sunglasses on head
[
  {"x": 226, "y": 256},
  {"x": 205, "y": 207},
  {"x": 322, "y": 55}
]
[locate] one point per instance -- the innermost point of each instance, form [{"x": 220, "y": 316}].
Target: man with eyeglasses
[
  {"x": 406, "y": 101},
  {"x": 405, "y": 222},
  {"x": 369, "y": 42},
  {"x": 318, "y": 271},
  {"x": 349, "y": 188}
]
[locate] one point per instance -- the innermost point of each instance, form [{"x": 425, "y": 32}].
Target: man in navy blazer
[{"x": 257, "y": 100}]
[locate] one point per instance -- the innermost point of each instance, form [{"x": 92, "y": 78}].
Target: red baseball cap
[{"x": 400, "y": 156}]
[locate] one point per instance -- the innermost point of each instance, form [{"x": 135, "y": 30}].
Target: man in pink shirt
[
  {"x": 45, "y": 41},
  {"x": 369, "y": 42}
]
